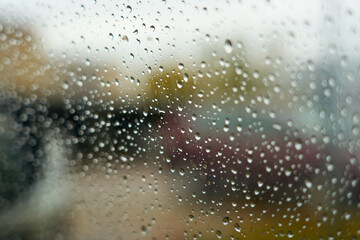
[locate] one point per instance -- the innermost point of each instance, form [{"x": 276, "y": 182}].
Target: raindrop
[
  {"x": 308, "y": 183},
  {"x": 226, "y": 220},
  {"x": 179, "y": 84},
  {"x": 197, "y": 136},
  {"x": 218, "y": 234},
  {"x": 65, "y": 85},
  {"x": 237, "y": 227},
  {"x": 228, "y": 46},
  {"x": 298, "y": 144}
]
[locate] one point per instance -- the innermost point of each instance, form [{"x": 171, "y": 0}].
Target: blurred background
[{"x": 179, "y": 120}]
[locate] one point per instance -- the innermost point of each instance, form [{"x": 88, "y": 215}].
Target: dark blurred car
[{"x": 241, "y": 153}]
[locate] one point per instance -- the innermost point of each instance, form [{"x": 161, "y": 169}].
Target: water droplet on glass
[
  {"x": 197, "y": 136},
  {"x": 298, "y": 144},
  {"x": 218, "y": 234},
  {"x": 65, "y": 85},
  {"x": 226, "y": 220},
  {"x": 308, "y": 183},
  {"x": 179, "y": 84},
  {"x": 237, "y": 227},
  {"x": 228, "y": 46}
]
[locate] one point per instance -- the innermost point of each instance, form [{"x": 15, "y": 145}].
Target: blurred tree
[
  {"x": 24, "y": 68},
  {"x": 170, "y": 87}
]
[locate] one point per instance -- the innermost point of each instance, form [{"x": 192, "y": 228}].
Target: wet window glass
[{"x": 179, "y": 119}]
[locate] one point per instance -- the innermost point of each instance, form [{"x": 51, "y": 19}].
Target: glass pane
[{"x": 179, "y": 119}]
